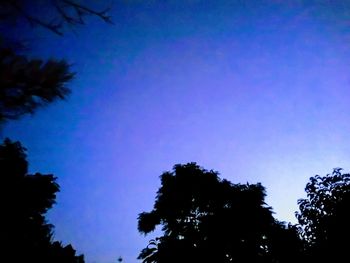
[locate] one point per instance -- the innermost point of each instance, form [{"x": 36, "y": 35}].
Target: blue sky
[{"x": 257, "y": 90}]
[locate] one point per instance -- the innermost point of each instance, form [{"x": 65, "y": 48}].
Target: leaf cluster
[
  {"x": 27, "y": 84},
  {"x": 324, "y": 215}
]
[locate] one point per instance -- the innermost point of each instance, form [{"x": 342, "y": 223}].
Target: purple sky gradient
[{"x": 257, "y": 90}]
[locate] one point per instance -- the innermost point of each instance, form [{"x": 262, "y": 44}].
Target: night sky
[{"x": 257, "y": 90}]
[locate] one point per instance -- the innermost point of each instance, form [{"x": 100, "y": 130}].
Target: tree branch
[{"x": 62, "y": 9}]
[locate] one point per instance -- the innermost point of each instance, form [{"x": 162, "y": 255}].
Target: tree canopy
[
  {"x": 324, "y": 216},
  {"x": 206, "y": 219},
  {"x": 26, "y": 236}
]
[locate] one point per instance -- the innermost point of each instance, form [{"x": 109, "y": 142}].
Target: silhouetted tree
[
  {"x": 324, "y": 217},
  {"x": 27, "y": 84},
  {"x": 26, "y": 236},
  {"x": 206, "y": 219}
]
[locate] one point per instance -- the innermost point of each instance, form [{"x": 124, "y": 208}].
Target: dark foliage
[
  {"x": 324, "y": 217},
  {"x": 27, "y": 84},
  {"x": 205, "y": 219},
  {"x": 26, "y": 236}
]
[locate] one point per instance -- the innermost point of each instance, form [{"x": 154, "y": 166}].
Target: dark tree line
[
  {"x": 203, "y": 218},
  {"x": 206, "y": 219},
  {"x": 27, "y": 84}
]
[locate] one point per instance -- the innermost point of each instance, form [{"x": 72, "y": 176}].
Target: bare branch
[
  {"x": 81, "y": 9},
  {"x": 68, "y": 12}
]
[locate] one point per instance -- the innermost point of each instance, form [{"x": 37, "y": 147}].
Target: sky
[{"x": 257, "y": 90}]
